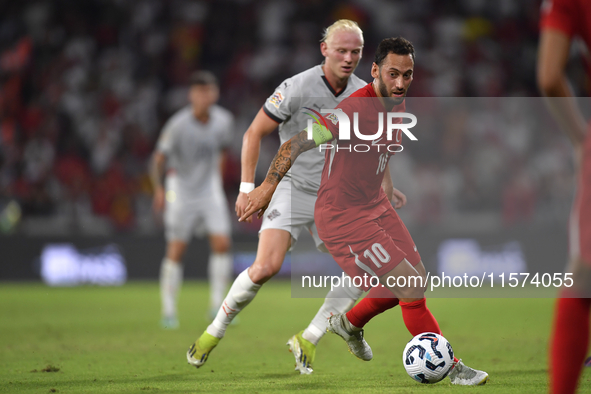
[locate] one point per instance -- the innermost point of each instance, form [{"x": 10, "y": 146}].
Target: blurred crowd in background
[{"x": 85, "y": 87}]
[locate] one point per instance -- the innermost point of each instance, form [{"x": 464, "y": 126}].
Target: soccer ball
[{"x": 428, "y": 358}]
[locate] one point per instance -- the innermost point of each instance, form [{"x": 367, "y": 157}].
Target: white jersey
[
  {"x": 287, "y": 106},
  {"x": 193, "y": 151}
]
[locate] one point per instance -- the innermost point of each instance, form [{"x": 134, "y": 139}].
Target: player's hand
[
  {"x": 258, "y": 200},
  {"x": 389, "y": 190},
  {"x": 158, "y": 202},
  {"x": 241, "y": 204},
  {"x": 398, "y": 198}
]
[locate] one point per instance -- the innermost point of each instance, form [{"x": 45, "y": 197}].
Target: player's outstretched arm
[
  {"x": 260, "y": 197},
  {"x": 261, "y": 126}
]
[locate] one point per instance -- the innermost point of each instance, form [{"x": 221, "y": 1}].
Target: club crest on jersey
[
  {"x": 274, "y": 214},
  {"x": 276, "y": 99}
]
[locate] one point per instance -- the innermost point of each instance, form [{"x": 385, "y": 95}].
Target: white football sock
[
  {"x": 219, "y": 272},
  {"x": 338, "y": 300},
  {"x": 171, "y": 279},
  {"x": 241, "y": 293}
]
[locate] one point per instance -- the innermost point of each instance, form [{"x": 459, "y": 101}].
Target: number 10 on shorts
[{"x": 378, "y": 256}]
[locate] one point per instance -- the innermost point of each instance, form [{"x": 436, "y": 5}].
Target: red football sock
[
  {"x": 378, "y": 300},
  {"x": 418, "y": 317},
  {"x": 568, "y": 343}
]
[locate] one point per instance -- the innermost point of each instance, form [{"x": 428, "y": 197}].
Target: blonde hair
[{"x": 341, "y": 25}]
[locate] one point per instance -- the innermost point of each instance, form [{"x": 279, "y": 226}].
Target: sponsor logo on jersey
[
  {"x": 276, "y": 99},
  {"x": 274, "y": 214}
]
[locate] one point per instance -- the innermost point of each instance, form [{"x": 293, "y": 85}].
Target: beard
[{"x": 389, "y": 101}]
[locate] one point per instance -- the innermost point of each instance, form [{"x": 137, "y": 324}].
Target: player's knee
[
  {"x": 175, "y": 251},
  {"x": 220, "y": 244},
  {"x": 262, "y": 271}
]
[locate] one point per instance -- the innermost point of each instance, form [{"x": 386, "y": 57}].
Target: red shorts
[
  {"x": 580, "y": 218},
  {"x": 372, "y": 247}
]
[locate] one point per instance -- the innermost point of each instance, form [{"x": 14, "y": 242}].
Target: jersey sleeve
[
  {"x": 277, "y": 106},
  {"x": 560, "y": 15},
  {"x": 165, "y": 142}
]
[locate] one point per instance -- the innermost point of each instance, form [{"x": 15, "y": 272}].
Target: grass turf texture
[{"x": 108, "y": 340}]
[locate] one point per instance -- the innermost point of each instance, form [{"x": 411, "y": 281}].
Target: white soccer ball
[{"x": 428, "y": 358}]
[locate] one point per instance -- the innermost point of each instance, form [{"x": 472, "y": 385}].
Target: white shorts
[
  {"x": 292, "y": 210},
  {"x": 196, "y": 217}
]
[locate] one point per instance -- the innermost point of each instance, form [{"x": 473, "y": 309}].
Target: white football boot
[
  {"x": 463, "y": 375},
  {"x": 354, "y": 338}
]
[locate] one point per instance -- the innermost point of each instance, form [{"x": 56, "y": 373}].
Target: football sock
[
  {"x": 243, "y": 291},
  {"x": 568, "y": 343},
  {"x": 219, "y": 271},
  {"x": 171, "y": 279},
  {"x": 338, "y": 300},
  {"x": 418, "y": 318},
  {"x": 378, "y": 300}
]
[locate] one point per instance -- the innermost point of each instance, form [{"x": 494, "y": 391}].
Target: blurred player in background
[
  {"x": 293, "y": 208},
  {"x": 562, "y": 21},
  {"x": 189, "y": 151},
  {"x": 355, "y": 219}
]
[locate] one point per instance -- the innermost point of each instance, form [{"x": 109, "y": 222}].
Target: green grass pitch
[{"x": 108, "y": 340}]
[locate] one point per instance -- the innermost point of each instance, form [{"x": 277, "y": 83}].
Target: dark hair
[
  {"x": 398, "y": 46},
  {"x": 203, "y": 77}
]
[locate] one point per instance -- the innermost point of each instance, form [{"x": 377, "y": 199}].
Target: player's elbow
[
  {"x": 549, "y": 83},
  {"x": 251, "y": 136}
]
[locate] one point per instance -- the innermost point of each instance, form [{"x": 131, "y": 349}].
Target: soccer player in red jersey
[
  {"x": 354, "y": 218},
  {"x": 561, "y": 21}
]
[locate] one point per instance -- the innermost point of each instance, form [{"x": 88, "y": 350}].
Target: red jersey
[
  {"x": 354, "y": 169},
  {"x": 572, "y": 17}
]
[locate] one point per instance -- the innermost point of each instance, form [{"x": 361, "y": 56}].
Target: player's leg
[
  {"x": 273, "y": 245},
  {"x": 418, "y": 318},
  {"x": 380, "y": 299},
  {"x": 219, "y": 269},
  {"x": 338, "y": 300},
  {"x": 362, "y": 251},
  {"x": 373, "y": 250},
  {"x": 178, "y": 221},
  {"x": 569, "y": 340},
  {"x": 303, "y": 344},
  {"x": 171, "y": 279},
  {"x": 274, "y": 242},
  {"x": 570, "y": 334},
  {"x": 394, "y": 243}
]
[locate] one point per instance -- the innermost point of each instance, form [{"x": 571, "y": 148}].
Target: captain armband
[{"x": 320, "y": 134}]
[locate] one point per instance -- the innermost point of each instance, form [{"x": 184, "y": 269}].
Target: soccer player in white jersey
[
  {"x": 189, "y": 155},
  {"x": 292, "y": 207}
]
